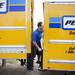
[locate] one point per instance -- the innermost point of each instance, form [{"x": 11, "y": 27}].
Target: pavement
[
  {"x": 9, "y": 70},
  {"x": 13, "y": 68}
]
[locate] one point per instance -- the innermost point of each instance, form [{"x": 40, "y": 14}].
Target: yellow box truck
[
  {"x": 59, "y": 36},
  {"x": 15, "y": 28}
]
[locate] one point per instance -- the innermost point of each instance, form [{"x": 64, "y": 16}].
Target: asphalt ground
[{"x": 13, "y": 68}]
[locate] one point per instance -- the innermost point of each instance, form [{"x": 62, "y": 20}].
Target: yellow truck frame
[
  {"x": 59, "y": 36},
  {"x": 15, "y": 28}
]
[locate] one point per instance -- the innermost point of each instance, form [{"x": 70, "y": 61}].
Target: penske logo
[
  {"x": 2, "y": 4},
  {"x": 71, "y": 22},
  {"x": 68, "y": 22}
]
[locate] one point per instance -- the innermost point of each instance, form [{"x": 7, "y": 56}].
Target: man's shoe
[
  {"x": 38, "y": 62},
  {"x": 39, "y": 69}
]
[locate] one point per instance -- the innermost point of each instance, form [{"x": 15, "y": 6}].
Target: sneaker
[
  {"x": 39, "y": 69},
  {"x": 38, "y": 62}
]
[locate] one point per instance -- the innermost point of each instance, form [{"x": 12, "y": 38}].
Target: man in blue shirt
[
  {"x": 36, "y": 47},
  {"x": 36, "y": 41}
]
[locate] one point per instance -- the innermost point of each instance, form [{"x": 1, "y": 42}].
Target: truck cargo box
[
  {"x": 59, "y": 36},
  {"x": 15, "y": 28}
]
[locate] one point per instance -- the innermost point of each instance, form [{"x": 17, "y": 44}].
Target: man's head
[{"x": 40, "y": 26}]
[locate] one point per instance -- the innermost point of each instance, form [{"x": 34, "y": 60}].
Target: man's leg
[
  {"x": 38, "y": 57},
  {"x": 29, "y": 62},
  {"x": 41, "y": 64},
  {"x": 38, "y": 61},
  {"x": 21, "y": 62},
  {"x": 30, "y": 59},
  {"x": 39, "y": 53}
]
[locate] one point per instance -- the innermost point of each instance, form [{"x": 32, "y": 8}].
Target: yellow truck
[
  {"x": 59, "y": 36},
  {"x": 59, "y": 32},
  {"x": 15, "y": 28}
]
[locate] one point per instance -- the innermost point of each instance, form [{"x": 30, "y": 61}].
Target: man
[
  {"x": 35, "y": 47},
  {"x": 36, "y": 42}
]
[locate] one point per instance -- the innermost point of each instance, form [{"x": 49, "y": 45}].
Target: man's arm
[{"x": 37, "y": 46}]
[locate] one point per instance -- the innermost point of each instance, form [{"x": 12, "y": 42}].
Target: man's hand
[{"x": 40, "y": 49}]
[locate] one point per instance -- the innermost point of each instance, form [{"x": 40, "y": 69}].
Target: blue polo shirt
[{"x": 36, "y": 36}]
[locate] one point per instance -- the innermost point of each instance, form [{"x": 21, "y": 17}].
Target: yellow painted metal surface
[
  {"x": 16, "y": 36},
  {"x": 12, "y": 37},
  {"x": 56, "y": 55},
  {"x": 14, "y": 19},
  {"x": 13, "y": 55}
]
